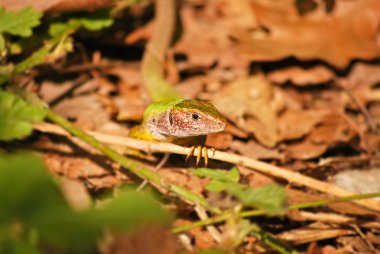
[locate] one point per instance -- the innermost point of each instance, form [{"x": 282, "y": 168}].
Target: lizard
[
  {"x": 182, "y": 122},
  {"x": 171, "y": 118}
]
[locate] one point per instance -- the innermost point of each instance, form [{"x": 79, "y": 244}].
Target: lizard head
[{"x": 188, "y": 118}]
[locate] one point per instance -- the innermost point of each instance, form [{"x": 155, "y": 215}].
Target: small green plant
[{"x": 35, "y": 216}]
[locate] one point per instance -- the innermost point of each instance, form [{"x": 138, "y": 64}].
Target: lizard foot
[{"x": 202, "y": 152}]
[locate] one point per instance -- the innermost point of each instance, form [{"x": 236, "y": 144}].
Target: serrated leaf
[
  {"x": 97, "y": 20},
  {"x": 271, "y": 198},
  {"x": 231, "y": 176},
  {"x": 17, "y": 116},
  {"x": 91, "y": 21},
  {"x": 217, "y": 186},
  {"x": 220, "y": 179},
  {"x": 19, "y": 23}
]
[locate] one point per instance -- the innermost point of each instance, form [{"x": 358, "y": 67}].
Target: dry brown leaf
[
  {"x": 333, "y": 130},
  {"x": 355, "y": 244},
  {"x": 252, "y": 104},
  {"x": 205, "y": 38},
  {"x": 294, "y": 124},
  {"x": 302, "y": 77},
  {"x": 305, "y": 150},
  {"x": 220, "y": 141},
  {"x": 148, "y": 239},
  {"x": 253, "y": 150},
  {"x": 368, "y": 74},
  {"x": 86, "y": 110},
  {"x": 311, "y": 234},
  {"x": 349, "y": 32},
  {"x": 362, "y": 84},
  {"x": 68, "y": 159},
  {"x": 56, "y": 5}
]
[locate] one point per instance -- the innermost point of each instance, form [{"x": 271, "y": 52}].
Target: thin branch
[
  {"x": 254, "y": 213},
  {"x": 157, "y": 147}
]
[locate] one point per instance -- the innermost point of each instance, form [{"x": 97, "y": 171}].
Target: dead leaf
[
  {"x": 349, "y": 32},
  {"x": 305, "y": 150},
  {"x": 302, "y": 77},
  {"x": 56, "y": 5},
  {"x": 205, "y": 37},
  {"x": 294, "y": 124},
  {"x": 333, "y": 130},
  {"x": 253, "y": 150},
  {"x": 220, "y": 141},
  {"x": 252, "y": 104},
  {"x": 311, "y": 234}
]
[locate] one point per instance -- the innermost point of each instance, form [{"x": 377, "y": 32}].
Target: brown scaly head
[{"x": 187, "y": 118}]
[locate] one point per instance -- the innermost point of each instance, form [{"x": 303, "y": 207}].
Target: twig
[
  {"x": 156, "y": 147},
  {"x": 210, "y": 228},
  {"x": 159, "y": 166},
  {"x": 254, "y": 213}
]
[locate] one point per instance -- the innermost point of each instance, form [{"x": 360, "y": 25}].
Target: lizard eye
[{"x": 195, "y": 116}]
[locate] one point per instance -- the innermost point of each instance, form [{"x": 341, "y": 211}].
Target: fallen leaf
[
  {"x": 252, "y": 104},
  {"x": 253, "y": 150},
  {"x": 220, "y": 141},
  {"x": 56, "y": 5},
  {"x": 209, "y": 27},
  {"x": 302, "y": 77},
  {"x": 305, "y": 150},
  {"x": 294, "y": 124},
  {"x": 349, "y": 32},
  {"x": 333, "y": 130},
  {"x": 311, "y": 234}
]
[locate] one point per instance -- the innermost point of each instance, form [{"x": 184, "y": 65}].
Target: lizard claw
[
  {"x": 201, "y": 152},
  {"x": 205, "y": 155},
  {"x": 199, "y": 148},
  {"x": 190, "y": 153}
]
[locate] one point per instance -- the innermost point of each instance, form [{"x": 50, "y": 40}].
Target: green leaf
[
  {"x": 2, "y": 43},
  {"x": 11, "y": 246},
  {"x": 129, "y": 209},
  {"x": 91, "y": 21},
  {"x": 271, "y": 198},
  {"x": 17, "y": 116},
  {"x": 227, "y": 176},
  {"x": 19, "y": 23},
  {"x": 25, "y": 187},
  {"x": 30, "y": 197},
  {"x": 220, "y": 179},
  {"x": 217, "y": 186},
  {"x": 97, "y": 20}
]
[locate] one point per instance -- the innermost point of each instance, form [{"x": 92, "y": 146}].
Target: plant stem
[
  {"x": 135, "y": 167},
  {"x": 253, "y": 213}
]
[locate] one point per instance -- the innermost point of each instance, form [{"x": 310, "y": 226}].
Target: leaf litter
[{"x": 290, "y": 115}]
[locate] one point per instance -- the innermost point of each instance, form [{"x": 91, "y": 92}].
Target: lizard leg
[{"x": 202, "y": 152}]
